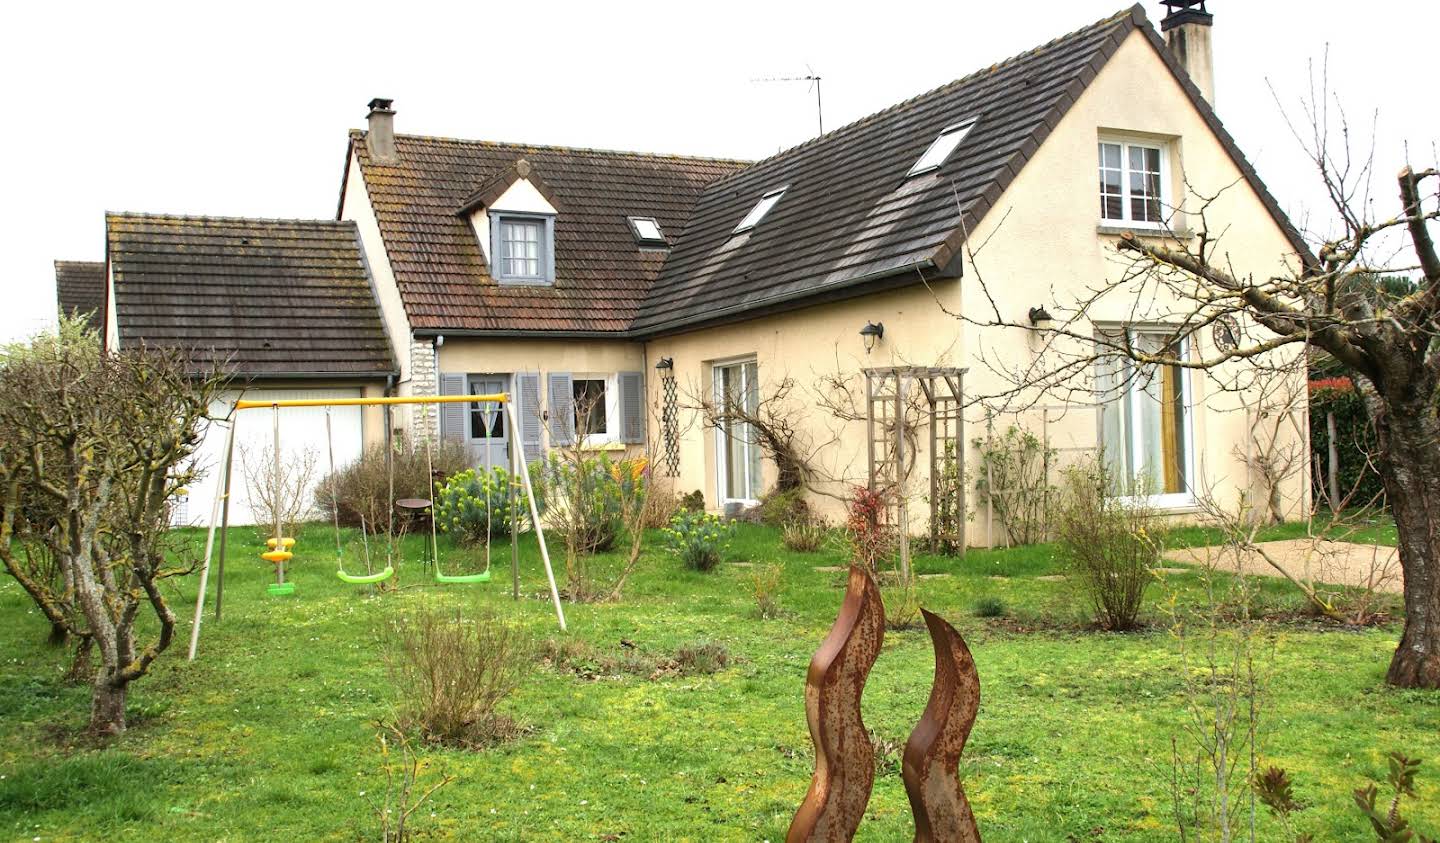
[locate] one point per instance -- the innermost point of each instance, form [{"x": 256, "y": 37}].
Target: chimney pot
[
  {"x": 1187, "y": 27},
  {"x": 380, "y": 138}
]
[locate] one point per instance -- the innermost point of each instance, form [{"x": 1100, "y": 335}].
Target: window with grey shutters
[
  {"x": 527, "y": 413},
  {"x": 561, "y": 409},
  {"x": 452, "y": 415},
  {"x": 632, "y": 407}
]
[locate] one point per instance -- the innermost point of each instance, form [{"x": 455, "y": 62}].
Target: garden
[
  {"x": 621, "y": 731},
  {"x": 1124, "y": 695}
]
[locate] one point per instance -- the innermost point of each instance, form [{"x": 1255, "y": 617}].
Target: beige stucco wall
[
  {"x": 1046, "y": 248},
  {"x": 811, "y": 348}
]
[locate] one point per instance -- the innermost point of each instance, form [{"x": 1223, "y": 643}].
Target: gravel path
[{"x": 1338, "y": 563}]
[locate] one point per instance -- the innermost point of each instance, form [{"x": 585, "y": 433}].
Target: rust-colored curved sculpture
[
  {"x": 932, "y": 755},
  {"x": 844, "y": 757}
]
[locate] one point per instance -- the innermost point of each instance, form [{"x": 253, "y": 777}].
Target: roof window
[
  {"x": 647, "y": 231},
  {"x": 940, "y": 150},
  {"x": 758, "y": 212}
]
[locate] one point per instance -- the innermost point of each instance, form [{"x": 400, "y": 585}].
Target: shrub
[
  {"x": 660, "y": 506},
  {"x": 990, "y": 607},
  {"x": 865, "y": 526},
  {"x": 362, "y": 488},
  {"x": 584, "y": 497},
  {"x": 478, "y": 503},
  {"x": 1111, "y": 543},
  {"x": 765, "y": 585},
  {"x": 585, "y": 660},
  {"x": 1013, "y": 479},
  {"x": 779, "y": 508},
  {"x": 702, "y": 657},
  {"x": 902, "y": 606},
  {"x": 698, "y": 538},
  {"x": 452, "y": 673},
  {"x": 804, "y": 536},
  {"x": 693, "y": 502}
]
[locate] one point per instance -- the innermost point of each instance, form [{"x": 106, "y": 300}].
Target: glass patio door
[{"x": 737, "y": 455}]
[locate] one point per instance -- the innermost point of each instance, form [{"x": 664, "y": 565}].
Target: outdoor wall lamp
[
  {"x": 872, "y": 333},
  {"x": 665, "y": 363},
  {"x": 1041, "y": 318}
]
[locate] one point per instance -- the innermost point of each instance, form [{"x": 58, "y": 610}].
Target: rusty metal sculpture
[
  {"x": 844, "y": 757},
  {"x": 932, "y": 755}
]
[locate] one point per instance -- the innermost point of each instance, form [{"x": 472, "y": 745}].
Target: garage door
[{"x": 302, "y": 440}]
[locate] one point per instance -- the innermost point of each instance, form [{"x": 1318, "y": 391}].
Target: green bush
[
  {"x": 699, "y": 539},
  {"x": 586, "y": 498},
  {"x": 990, "y": 607},
  {"x": 1112, "y": 542},
  {"x": 479, "y": 503},
  {"x": 1356, "y": 443},
  {"x": 779, "y": 508}
]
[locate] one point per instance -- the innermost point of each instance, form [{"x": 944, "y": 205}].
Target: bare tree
[
  {"x": 278, "y": 494},
  {"x": 104, "y": 440}
]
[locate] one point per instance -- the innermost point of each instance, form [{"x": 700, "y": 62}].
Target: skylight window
[
  {"x": 940, "y": 149},
  {"x": 647, "y": 231},
  {"x": 758, "y": 212}
]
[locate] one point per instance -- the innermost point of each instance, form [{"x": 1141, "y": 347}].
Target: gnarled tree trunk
[{"x": 1409, "y": 435}]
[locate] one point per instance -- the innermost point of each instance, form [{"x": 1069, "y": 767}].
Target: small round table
[{"x": 417, "y": 506}]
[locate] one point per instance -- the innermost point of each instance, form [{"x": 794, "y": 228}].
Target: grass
[{"x": 270, "y": 734}]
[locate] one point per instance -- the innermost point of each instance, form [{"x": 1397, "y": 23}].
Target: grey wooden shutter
[
  {"x": 452, "y": 416},
  {"x": 562, "y": 409},
  {"x": 527, "y": 412},
  {"x": 632, "y": 407}
]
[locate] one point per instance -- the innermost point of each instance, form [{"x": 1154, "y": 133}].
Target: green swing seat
[
  {"x": 365, "y": 579},
  {"x": 483, "y": 576}
]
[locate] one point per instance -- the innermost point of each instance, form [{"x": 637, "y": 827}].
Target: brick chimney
[
  {"x": 380, "y": 139},
  {"x": 1187, "y": 31}
]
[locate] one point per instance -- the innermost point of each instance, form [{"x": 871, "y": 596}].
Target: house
[
  {"x": 649, "y": 285},
  {"x": 287, "y": 308},
  {"x": 80, "y": 290}
]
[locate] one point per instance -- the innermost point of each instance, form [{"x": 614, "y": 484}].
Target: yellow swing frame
[{"x": 222, "y": 488}]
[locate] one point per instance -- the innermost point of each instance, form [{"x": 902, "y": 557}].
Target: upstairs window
[
  {"x": 647, "y": 232},
  {"x": 940, "y": 149},
  {"x": 758, "y": 212},
  {"x": 1132, "y": 183},
  {"x": 523, "y": 248}
]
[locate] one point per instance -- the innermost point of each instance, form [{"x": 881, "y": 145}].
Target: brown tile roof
[
  {"x": 80, "y": 289},
  {"x": 262, "y": 297},
  {"x": 602, "y": 276}
]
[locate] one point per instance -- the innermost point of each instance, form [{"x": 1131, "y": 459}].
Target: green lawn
[{"x": 270, "y": 736}]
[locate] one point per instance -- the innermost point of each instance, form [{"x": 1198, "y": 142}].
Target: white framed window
[
  {"x": 647, "y": 231},
  {"x": 941, "y": 148},
  {"x": 1147, "y": 425},
  {"x": 737, "y": 449},
  {"x": 758, "y": 212},
  {"x": 596, "y": 408},
  {"x": 1134, "y": 178},
  {"x": 523, "y": 248}
]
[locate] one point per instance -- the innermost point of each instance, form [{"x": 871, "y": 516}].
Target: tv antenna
[{"x": 810, "y": 76}]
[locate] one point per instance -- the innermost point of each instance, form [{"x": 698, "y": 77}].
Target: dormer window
[
  {"x": 941, "y": 148},
  {"x": 647, "y": 232},
  {"x": 758, "y": 212},
  {"x": 523, "y": 248}
]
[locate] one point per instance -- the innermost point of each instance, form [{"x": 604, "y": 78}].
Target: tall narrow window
[
  {"x": 591, "y": 415},
  {"x": 1146, "y": 428},
  {"x": 737, "y": 449},
  {"x": 1132, "y": 183},
  {"x": 487, "y": 438}
]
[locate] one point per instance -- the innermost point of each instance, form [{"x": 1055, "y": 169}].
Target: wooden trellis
[
  {"x": 889, "y": 392},
  {"x": 670, "y": 424}
]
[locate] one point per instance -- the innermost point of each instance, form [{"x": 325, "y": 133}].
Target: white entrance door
[{"x": 302, "y": 441}]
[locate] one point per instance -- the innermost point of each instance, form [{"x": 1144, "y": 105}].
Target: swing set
[{"x": 280, "y": 548}]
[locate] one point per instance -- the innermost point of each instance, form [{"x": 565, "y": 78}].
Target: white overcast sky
[{"x": 241, "y": 108}]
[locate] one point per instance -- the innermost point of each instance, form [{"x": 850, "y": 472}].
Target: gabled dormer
[{"x": 513, "y": 217}]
